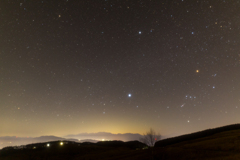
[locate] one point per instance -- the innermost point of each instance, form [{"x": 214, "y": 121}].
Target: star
[
  {"x": 214, "y": 75},
  {"x": 129, "y": 95},
  {"x": 140, "y": 32}
]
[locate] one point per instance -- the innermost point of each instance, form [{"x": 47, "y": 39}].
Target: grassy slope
[{"x": 224, "y": 145}]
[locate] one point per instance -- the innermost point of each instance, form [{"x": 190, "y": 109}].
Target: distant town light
[
  {"x": 48, "y": 145},
  {"x": 61, "y": 143},
  {"x": 103, "y": 139}
]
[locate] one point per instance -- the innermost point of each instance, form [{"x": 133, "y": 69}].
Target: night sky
[{"x": 119, "y": 66}]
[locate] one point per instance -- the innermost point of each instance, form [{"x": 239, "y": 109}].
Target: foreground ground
[{"x": 224, "y": 145}]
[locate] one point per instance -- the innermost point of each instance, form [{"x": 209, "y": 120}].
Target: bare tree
[{"x": 150, "y": 137}]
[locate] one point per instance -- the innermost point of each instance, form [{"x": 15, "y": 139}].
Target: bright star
[
  {"x": 139, "y": 32},
  {"x": 129, "y": 95}
]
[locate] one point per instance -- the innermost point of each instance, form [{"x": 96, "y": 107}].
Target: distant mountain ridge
[{"x": 106, "y": 136}]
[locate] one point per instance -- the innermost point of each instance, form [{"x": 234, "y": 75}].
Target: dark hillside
[
  {"x": 71, "y": 150},
  {"x": 220, "y": 146},
  {"x": 130, "y": 144},
  {"x": 215, "y": 144},
  {"x": 196, "y": 135}
]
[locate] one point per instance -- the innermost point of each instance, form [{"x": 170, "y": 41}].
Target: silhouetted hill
[
  {"x": 130, "y": 144},
  {"x": 196, "y": 135},
  {"x": 69, "y": 149}
]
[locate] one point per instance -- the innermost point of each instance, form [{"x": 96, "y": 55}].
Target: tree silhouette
[{"x": 150, "y": 137}]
